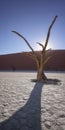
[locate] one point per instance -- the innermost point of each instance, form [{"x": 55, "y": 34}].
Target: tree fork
[{"x": 39, "y": 61}]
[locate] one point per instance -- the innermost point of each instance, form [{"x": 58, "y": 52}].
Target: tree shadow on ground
[
  {"x": 29, "y": 116},
  {"x": 49, "y": 81}
]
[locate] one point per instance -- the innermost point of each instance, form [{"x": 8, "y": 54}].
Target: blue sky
[{"x": 31, "y": 18}]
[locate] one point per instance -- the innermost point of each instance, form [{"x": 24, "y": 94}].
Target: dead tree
[{"x": 39, "y": 61}]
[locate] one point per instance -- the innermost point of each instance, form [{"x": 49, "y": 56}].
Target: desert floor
[{"x": 26, "y": 105}]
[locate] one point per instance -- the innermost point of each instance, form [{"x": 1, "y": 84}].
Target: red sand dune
[{"x": 20, "y": 61}]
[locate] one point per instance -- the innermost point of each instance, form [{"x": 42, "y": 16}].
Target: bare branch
[
  {"x": 31, "y": 55},
  {"x": 48, "y": 34},
  {"x": 47, "y": 59},
  {"x": 24, "y": 40},
  {"x": 47, "y": 51},
  {"x": 35, "y": 56},
  {"x": 40, "y": 45}
]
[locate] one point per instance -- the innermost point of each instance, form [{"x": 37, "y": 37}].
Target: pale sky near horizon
[{"x": 31, "y": 18}]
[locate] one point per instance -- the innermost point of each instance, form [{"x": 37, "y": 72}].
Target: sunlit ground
[{"x": 26, "y": 105}]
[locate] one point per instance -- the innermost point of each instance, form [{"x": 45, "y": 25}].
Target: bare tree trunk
[{"x": 40, "y": 74}]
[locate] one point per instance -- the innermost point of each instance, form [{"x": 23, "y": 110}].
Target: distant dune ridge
[{"x": 20, "y": 61}]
